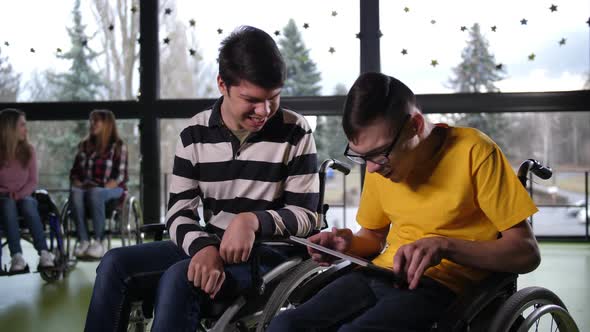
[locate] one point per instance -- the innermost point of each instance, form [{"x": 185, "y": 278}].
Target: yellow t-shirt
[{"x": 467, "y": 191}]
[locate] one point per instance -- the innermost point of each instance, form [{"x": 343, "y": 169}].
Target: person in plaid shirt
[{"x": 99, "y": 174}]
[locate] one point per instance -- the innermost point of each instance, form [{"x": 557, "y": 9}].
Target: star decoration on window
[
  {"x": 168, "y": 11},
  {"x": 432, "y": 21},
  {"x": 111, "y": 27},
  {"x": 192, "y": 52},
  {"x": 562, "y": 41},
  {"x": 532, "y": 57},
  {"x": 406, "y": 9},
  {"x": 499, "y": 66},
  {"x": 553, "y": 8},
  {"x": 524, "y": 21},
  {"x": 404, "y": 51},
  {"x": 463, "y": 28},
  {"x": 166, "y": 40},
  {"x": 332, "y": 50},
  {"x": 6, "y": 43},
  {"x": 220, "y": 31},
  {"x": 133, "y": 9},
  {"x": 192, "y": 22},
  {"x": 434, "y": 63},
  {"x": 493, "y": 28},
  {"x": 305, "y": 25},
  {"x": 277, "y": 33},
  {"x": 32, "y": 50},
  {"x": 334, "y": 13}
]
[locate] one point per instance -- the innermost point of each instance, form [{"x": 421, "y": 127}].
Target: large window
[
  {"x": 316, "y": 38},
  {"x": 61, "y": 138},
  {"x": 480, "y": 46},
  {"x": 69, "y": 50}
]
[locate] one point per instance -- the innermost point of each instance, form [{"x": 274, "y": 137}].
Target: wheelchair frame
[{"x": 125, "y": 217}]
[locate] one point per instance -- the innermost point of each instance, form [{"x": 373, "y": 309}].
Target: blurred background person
[
  {"x": 18, "y": 180},
  {"x": 99, "y": 174}
]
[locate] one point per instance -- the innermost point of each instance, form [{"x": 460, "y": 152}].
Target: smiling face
[{"x": 247, "y": 106}]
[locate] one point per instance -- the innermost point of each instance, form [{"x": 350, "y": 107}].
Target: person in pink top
[{"x": 18, "y": 179}]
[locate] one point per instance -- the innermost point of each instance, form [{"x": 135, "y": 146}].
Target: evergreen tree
[
  {"x": 81, "y": 82},
  {"x": 9, "y": 81},
  {"x": 478, "y": 70},
  {"x": 329, "y": 136},
  {"x": 302, "y": 76}
]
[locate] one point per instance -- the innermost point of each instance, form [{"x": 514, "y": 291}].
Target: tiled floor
[{"x": 29, "y": 304}]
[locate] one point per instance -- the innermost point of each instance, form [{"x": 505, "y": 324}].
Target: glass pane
[
  {"x": 558, "y": 140},
  {"x": 436, "y": 47},
  {"x": 60, "y": 138},
  {"x": 69, "y": 50},
  {"x": 342, "y": 193},
  {"x": 191, "y": 31}
]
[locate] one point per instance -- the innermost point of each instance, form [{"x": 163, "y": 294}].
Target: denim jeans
[
  {"x": 361, "y": 302},
  {"x": 93, "y": 199},
  {"x": 27, "y": 208},
  {"x": 178, "y": 304}
]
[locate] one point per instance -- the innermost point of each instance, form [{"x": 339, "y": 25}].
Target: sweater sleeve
[{"x": 33, "y": 177}]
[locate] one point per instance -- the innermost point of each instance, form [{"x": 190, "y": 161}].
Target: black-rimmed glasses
[{"x": 381, "y": 158}]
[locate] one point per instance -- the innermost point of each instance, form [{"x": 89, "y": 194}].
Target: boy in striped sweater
[{"x": 252, "y": 165}]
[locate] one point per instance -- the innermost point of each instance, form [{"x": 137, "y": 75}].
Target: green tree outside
[
  {"x": 303, "y": 78},
  {"x": 9, "y": 80}
]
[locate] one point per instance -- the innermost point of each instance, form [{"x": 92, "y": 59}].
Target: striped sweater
[{"x": 273, "y": 174}]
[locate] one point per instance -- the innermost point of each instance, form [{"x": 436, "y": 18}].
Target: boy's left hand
[{"x": 414, "y": 258}]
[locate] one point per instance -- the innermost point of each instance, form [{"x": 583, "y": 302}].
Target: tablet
[{"x": 356, "y": 260}]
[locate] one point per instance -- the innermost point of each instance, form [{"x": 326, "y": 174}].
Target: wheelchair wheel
[
  {"x": 130, "y": 233},
  {"x": 281, "y": 297},
  {"x": 533, "y": 309}
]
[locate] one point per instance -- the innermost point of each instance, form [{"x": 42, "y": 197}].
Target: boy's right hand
[
  {"x": 339, "y": 239},
  {"x": 206, "y": 271}
]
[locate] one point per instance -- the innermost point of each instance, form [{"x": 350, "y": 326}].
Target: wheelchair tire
[
  {"x": 511, "y": 316},
  {"x": 50, "y": 275},
  {"x": 284, "y": 289}
]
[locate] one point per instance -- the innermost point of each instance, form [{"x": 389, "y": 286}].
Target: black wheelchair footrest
[{"x": 5, "y": 272}]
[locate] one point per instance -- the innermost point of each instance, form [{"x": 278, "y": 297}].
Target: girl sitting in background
[
  {"x": 98, "y": 175},
  {"x": 18, "y": 180}
]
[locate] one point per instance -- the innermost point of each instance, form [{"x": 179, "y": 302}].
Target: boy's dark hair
[
  {"x": 374, "y": 96},
  {"x": 251, "y": 54}
]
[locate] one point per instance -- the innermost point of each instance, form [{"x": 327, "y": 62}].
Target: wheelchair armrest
[
  {"x": 475, "y": 298},
  {"x": 156, "y": 229}
]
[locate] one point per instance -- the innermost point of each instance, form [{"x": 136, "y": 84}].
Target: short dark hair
[
  {"x": 251, "y": 54},
  {"x": 374, "y": 96}
]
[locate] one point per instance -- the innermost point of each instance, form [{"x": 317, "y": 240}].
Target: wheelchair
[
  {"x": 493, "y": 305},
  {"x": 242, "y": 313},
  {"x": 53, "y": 227},
  {"x": 123, "y": 219}
]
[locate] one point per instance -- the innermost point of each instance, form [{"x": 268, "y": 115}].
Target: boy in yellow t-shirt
[{"x": 434, "y": 201}]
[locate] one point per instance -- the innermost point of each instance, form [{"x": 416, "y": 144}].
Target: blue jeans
[
  {"x": 361, "y": 302},
  {"x": 93, "y": 199},
  {"x": 9, "y": 211},
  {"x": 178, "y": 304}
]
